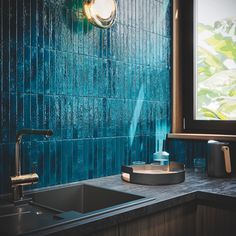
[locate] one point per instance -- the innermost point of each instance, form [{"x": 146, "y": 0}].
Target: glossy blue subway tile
[
  {"x": 64, "y": 30},
  {"x": 52, "y": 26},
  {"x": 100, "y": 81},
  {"x": 5, "y": 121},
  {"x": 40, "y": 109},
  {"x": 109, "y": 155},
  {"x": 64, "y": 75},
  {"x": 70, "y": 29},
  {"x": 5, "y": 22},
  {"x": 46, "y": 24},
  {"x": 65, "y": 162},
  {"x": 80, "y": 32},
  {"x": 79, "y": 118},
  {"x": 58, "y": 73},
  {"x": 91, "y": 116},
  {"x": 33, "y": 69},
  {"x": 81, "y": 78},
  {"x": 39, "y": 162},
  {"x": 90, "y": 157},
  {"x": 95, "y": 118},
  {"x": 46, "y": 112},
  {"x": 6, "y": 69},
  {"x": 143, "y": 149},
  {"x": 109, "y": 124},
  {"x": 100, "y": 118},
  {"x": 12, "y": 118},
  {"x": 70, "y": 118},
  {"x": 117, "y": 162},
  {"x": 85, "y": 114},
  {"x": 69, "y": 73},
  {"x": 96, "y": 143},
  {"x": 75, "y": 24},
  {"x": 20, "y": 23},
  {"x": 27, "y": 112},
  {"x": 57, "y": 29},
  {"x": 69, "y": 157},
  {"x": 57, "y": 131},
  {"x": 27, "y": 23},
  {"x": 47, "y": 173},
  {"x": 58, "y": 161},
  {"x": 52, "y": 160},
  {"x": 63, "y": 117},
  {"x": 89, "y": 42},
  {"x": 85, "y": 155},
  {"x": 34, "y": 114},
  {"x": 27, "y": 69},
  {"x": 88, "y": 66},
  {"x": 95, "y": 42},
  {"x": 52, "y": 73},
  {"x": 34, "y": 22},
  {"x": 19, "y": 109},
  {"x": 25, "y": 156},
  {"x": 95, "y": 79},
  {"x": 52, "y": 117},
  {"x": 40, "y": 35},
  {"x": 40, "y": 71},
  {"x": 115, "y": 165},
  {"x": 118, "y": 119},
  {"x": 99, "y": 158},
  {"x": 78, "y": 170},
  {"x": 75, "y": 84},
  {"x": 12, "y": 73},
  {"x": 46, "y": 75}
]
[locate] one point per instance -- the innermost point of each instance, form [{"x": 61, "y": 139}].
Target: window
[{"x": 208, "y": 64}]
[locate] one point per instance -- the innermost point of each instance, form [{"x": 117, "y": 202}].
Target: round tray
[{"x": 153, "y": 174}]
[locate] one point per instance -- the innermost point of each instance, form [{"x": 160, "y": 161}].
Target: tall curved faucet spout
[{"x": 18, "y": 180}]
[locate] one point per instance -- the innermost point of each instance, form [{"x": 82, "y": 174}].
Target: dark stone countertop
[{"x": 196, "y": 186}]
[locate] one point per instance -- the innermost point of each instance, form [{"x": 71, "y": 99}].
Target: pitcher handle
[{"x": 226, "y": 151}]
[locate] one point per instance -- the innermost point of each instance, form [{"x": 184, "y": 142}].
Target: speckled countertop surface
[
  {"x": 195, "y": 186},
  {"x": 193, "y": 182}
]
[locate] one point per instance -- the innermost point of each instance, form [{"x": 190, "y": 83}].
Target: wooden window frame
[{"x": 182, "y": 103}]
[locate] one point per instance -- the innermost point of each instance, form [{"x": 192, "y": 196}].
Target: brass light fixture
[{"x": 101, "y": 13}]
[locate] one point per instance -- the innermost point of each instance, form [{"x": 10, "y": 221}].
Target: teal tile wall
[
  {"x": 105, "y": 93},
  {"x": 185, "y": 151}
]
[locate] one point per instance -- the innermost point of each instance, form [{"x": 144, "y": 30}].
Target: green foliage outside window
[{"x": 216, "y": 71}]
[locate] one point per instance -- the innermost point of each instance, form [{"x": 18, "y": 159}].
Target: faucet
[{"x": 19, "y": 180}]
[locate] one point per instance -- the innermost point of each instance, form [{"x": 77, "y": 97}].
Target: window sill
[{"x": 193, "y": 136}]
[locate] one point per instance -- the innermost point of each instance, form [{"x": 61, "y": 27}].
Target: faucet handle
[{"x": 22, "y": 180}]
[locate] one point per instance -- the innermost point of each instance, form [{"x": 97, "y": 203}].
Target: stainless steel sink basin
[
  {"x": 84, "y": 199},
  {"x": 48, "y": 208}
]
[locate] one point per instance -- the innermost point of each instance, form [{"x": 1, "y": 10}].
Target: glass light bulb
[
  {"x": 101, "y": 13},
  {"x": 103, "y": 8}
]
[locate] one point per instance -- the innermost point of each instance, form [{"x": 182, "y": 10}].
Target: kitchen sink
[
  {"x": 50, "y": 207},
  {"x": 84, "y": 198}
]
